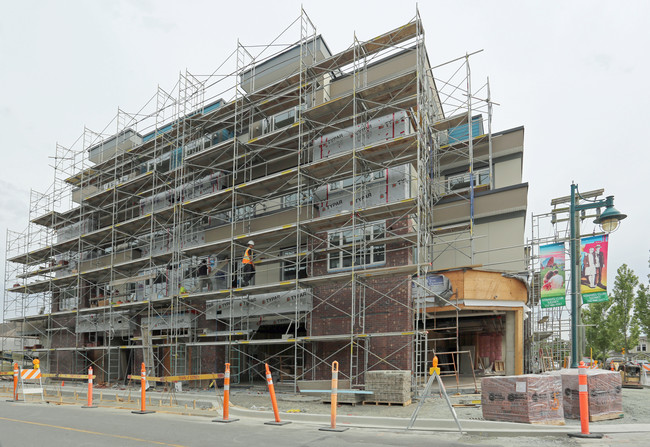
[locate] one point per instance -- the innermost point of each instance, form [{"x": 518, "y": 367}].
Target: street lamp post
[{"x": 609, "y": 221}]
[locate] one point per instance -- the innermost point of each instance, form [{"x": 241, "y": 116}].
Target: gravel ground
[{"x": 636, "y": 406}]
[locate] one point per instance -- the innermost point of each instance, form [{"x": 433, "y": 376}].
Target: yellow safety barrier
[
  {"x": 181, "y": 378},
  {"x": 67, "y": 376}
]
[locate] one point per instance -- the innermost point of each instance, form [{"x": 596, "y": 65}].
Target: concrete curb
[{"x": 487, "y": 428}]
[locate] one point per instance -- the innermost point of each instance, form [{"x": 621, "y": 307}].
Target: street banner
[
  {"x": 552, "y": 275},
  {"x": 593, "y": 278}
]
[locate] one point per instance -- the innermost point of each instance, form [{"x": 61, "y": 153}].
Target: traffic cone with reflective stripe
[{"x": 226, "y": 397}]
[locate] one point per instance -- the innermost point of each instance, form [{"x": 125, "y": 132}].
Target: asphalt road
[{"x": 47, "y": 425}]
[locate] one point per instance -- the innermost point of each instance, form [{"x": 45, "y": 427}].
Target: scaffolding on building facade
[{"x": 108, "y": 271}]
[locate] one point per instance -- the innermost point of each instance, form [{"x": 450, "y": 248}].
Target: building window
[
  {"x": 360, "y": 179},
  {"x": 364, "y": 253},
  {"x": 244, "y": 212},
  {"x": 284, "y": 119},
  {"x": 279, "y": 120},
  {"x": 289, "y": 265},
  {"x": 69, "y": 299},
  {"x": 291, "y": 200},
  {"x": 461, "y": 181}
]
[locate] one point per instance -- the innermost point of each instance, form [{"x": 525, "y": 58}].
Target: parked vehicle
[{"x": 617, "y": 361}]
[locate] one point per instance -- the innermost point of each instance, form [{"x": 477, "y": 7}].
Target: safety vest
[{"x": 247, "y": 257}]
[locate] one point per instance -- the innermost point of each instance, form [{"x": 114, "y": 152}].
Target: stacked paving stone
[
  {"x": 605, "y": 397},
  {"x": 389, "y": 386},
  {"x": 531, "y": 398}
]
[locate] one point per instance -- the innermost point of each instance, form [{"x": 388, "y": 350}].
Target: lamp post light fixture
[{"x": 609, "y": 221}]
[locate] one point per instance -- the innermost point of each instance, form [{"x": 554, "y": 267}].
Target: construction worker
[{"x": 249, "y": 267}]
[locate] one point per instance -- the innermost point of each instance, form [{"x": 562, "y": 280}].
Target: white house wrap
[
  {"x": 188, "y": 191},
  {"x": 261, "y": 304},
  {"x": 379, "y": 129},
  {"x": 385, "y": 186}
]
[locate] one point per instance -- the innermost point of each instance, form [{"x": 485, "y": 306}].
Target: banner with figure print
[
  {"x": 553, "y": 290},
  {"x": 593, "y": 260}
]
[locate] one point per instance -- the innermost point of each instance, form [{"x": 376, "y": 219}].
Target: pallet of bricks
[
  {"x": 531, "y": 398},
  {"x": 605, "y": 396},
  {"x": 388, "y": 387}
]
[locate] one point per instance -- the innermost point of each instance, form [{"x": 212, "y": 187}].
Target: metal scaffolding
[{"x": 107, "y": 272}]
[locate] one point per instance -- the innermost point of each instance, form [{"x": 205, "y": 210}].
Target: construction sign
[
  {"x": 593, "y": 278},
  {"x": 552, "y": 275}
]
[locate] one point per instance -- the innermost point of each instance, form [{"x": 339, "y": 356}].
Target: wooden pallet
[
  {"x": 372, "y": 402},
  {"x": 605, "y": 417}
]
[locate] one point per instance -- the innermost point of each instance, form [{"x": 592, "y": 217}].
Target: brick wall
[{"x": 387, "y": 303}]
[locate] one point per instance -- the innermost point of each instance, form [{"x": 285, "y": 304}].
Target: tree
[
  {"x": 623, "y": 326},
  {"x": 642, "y": 307},
  {"x": 612, "y": 325},
  {"x": 596, "y": 332}
]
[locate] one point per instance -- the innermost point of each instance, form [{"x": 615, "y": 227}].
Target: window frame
[
  {"x": 344, "y": 259},
  {"x": 288, "y": 265}
]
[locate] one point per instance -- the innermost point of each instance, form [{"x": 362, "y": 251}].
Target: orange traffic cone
[{"x": 63, "y": 383}]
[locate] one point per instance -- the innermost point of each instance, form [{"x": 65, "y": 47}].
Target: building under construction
[{"x": 387, "y": 219}]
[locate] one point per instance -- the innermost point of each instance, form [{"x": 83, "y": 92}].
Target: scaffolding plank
[
  {"x": 121, "y": 190},
  {"x": 41, "y": 271},
  {"x": 389, "y": 39},
  {"x": 363, "y": 273},
  {"x": 48, "y": 220},
  {"x": 384, "y": 91},
  {"x": 307, "y": 339},
  {"x": 394, "y": 152},
  {"x": 216, "y": 155}
]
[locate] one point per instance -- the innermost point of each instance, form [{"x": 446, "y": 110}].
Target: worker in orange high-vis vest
[{"x": 249, "y": 267}]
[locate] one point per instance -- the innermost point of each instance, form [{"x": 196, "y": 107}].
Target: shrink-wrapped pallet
[
  {"x": 605, "y": 397},
  {"x": 533, "y": 399},
  {"x": 389, "y": 386}
]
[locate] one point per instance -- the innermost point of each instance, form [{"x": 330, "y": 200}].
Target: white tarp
[
  {"x": 392, "y": 185},
  {"x": 261, "y": 304},
  {"x": 76, "y": 229},
  {"x": 117, "y": 323},
  {"x": 384, "y": 128},
  {"x": 190, "y": 190},
  {"x": 164, "y": 243},
  {"x": 162, "y": 322}
]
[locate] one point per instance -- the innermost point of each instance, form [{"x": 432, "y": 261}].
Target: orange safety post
[
  {"x": 90, "y": 390},
  {"x": 143, "y": 396},
  {"x": 269, "y": 381},
  {"x": 16, "y": 372},
  {"x": 334, "y": 399},
  {"x": 226, "y": 397},
  {"x": 15, "y": 393},
  {"x": 584, "y": 405}
]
